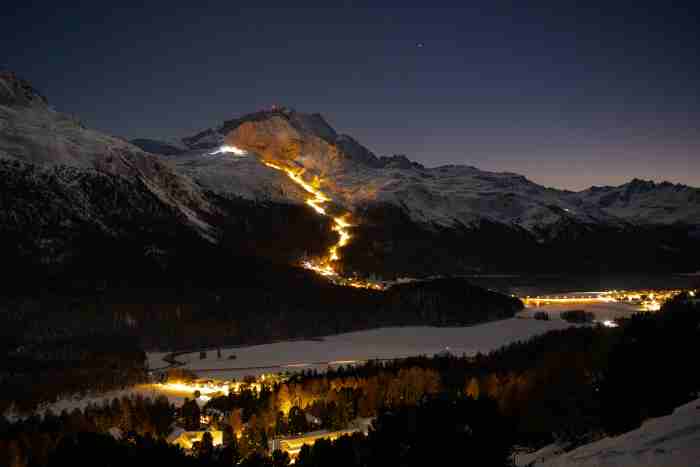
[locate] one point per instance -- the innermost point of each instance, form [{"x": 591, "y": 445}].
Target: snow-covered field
[
  {"x": 670, "y": 441},
  {"x": 383, "y": 343},
  {"x": 80, "y": 401}
]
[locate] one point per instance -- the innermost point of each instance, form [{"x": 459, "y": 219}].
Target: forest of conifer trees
[{"x": 569, "y": 386}]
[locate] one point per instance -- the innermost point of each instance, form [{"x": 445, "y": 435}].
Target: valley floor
[
  {"x": 335, "y": 350},
  {"x": 357, "y": 347}
]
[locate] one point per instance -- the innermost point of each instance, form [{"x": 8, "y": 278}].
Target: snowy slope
[
  {"x": 640, "y": 201},
  {"x": 34, "y": 133},
  {"x": 243, "y": 177},
  {"x": 382, "y": 343},
  {"x": 670, "y": 441},
  {"x": 446, "y": 196},
  {"x": 455, "y": 194}
]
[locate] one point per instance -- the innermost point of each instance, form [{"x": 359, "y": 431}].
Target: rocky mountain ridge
[
  {"x": 445, "y": 195},
  {"x": 62, "y": 181},
  {"x": 644, "y": 201},
  {"x": 78, "y": 202},
  {"x": 412, "y": 219}
]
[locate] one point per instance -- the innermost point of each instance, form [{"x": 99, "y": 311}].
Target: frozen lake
[
  {"x": 356, "y": 347},
  {"x": 341, "y": 349}
]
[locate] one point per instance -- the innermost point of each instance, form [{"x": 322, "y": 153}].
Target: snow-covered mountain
[
  {"x": 408, "y": 219},
  {"x": 448, "y": 195},
  {"x": 450, "y": 218},
  {"x": 670, "y": 441},
  {"x": 34, "y": 133},
  {"x": 641, "y": 201},
  {"x": 74, "y": 198}
]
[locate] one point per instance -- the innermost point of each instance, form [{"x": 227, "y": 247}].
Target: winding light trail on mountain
[{"x": 327, "y": 265}]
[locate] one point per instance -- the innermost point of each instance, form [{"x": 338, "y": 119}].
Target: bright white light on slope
[
  {"x": 229, "y": 149},
  {"x": 609, "y": 324}
]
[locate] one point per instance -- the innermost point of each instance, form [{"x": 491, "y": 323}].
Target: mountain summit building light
[{"x": 226, "y": 149}]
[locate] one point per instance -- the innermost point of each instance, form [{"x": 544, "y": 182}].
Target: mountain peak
[
  {"x": 213, "y": 137},
  {"x": 642, "y": 186},
  {"x": 270, "y": 132},
  {"x": 15, "y": 91},
  {"x": 313, "y": 123},
  {"x": 155, "y": 146},
  {"x": 399, "y": 161},
  {"x": 640, "y": 183}
]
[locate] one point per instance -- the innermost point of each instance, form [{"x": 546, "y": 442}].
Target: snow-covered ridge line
[
  {"x": 359, "y": 346},
  {"x": 670, "y": 441},
  {"x": 32, "y": 132},
  {"x": 446, "y": 195}
]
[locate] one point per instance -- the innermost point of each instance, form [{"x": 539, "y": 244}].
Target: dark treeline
[
  {"x": 35, "y": 440},
  {"x": 547, "y": 388},
  {"x": 143, "y": 272},
  {"x": 33, "y": 373},
  {"x": 651, "y": 369},
  {"x": 407, "y": 435},
  {"x": 65, "y": 343},
  {"x": 289, "y": 303},
  {"x": 436, "y": 431},
  {"x": 493, "y": 247},
  {"x": 125, "y": 268},
  {"x": 318, "y": 401},
  {"x": 568, "y": 386}
]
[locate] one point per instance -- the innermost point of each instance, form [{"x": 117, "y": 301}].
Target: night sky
[{"x": 569, "y": 97}]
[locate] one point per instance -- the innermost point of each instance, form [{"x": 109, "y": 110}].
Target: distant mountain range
[
  {"x": 446, "y": 195},
  {"x": 67, "y": 190},
  {"x": 413, "y": 219}
]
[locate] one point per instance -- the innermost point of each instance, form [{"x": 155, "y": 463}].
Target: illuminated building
[{"x": 186, "y": 439}]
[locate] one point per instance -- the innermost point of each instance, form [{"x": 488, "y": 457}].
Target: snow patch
[{"x": 670, "y": 441}]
